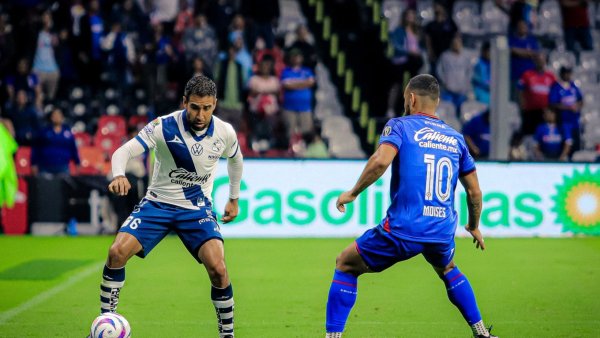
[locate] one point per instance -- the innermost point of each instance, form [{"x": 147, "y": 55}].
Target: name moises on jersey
[
  {"x": 187, "y": 179},
  {"x": 434, "y": 211}
]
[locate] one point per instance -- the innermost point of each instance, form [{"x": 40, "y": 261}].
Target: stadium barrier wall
[{"x": 295, "y": 198}]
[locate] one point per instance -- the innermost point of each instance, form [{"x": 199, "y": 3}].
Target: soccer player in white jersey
[{"x": 188, "y": 144}]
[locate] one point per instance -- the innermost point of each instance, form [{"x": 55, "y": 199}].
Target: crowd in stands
[
  {"x": 550, "y": 100},
  {"x": 92, "y": 71}
]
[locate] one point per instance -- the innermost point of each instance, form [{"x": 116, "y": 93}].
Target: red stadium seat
[
  {"x": 92, "y": 161},
  {"x": 108, "y": 143},
  {"x": 23, "y": 161},
  {"x": 83, "y": 139},
  {"x": 138, "y": 121},
  {"x": 111, "y": 125}
]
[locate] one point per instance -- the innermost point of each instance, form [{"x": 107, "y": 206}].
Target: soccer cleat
[{"x": 489, "y": 334}]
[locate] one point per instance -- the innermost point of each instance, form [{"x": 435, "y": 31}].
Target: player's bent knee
[
  {"x": 117, "y": 256},
  {"x": 218, "y": 274}
]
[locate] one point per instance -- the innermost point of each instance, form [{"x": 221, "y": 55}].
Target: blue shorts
[
  {"x": 381, "y": 249},
  {"x": 151, "y": 221}
]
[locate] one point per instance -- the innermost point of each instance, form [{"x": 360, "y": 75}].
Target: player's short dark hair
[
  {"x": 424, "y": 85},
  {"x": 201, "y": 86}
]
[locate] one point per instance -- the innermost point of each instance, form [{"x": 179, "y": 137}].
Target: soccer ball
[{"x": 110, "y": 325}]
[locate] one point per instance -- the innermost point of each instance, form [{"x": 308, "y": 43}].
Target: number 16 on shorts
[{"x": 131, "y": 222}]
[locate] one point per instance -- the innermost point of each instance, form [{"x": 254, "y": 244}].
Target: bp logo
[{"x": 577, "y": 202}]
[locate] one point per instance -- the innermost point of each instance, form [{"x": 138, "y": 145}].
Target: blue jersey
[{"x": 431, "y": 156}]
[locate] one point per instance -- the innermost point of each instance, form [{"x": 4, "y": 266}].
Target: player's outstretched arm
[
  {"x": 471, "y": 185},
  {"x": 235, "y": 167},
  {"x": 376, "y": 166},
  {"x": 120, "y": 184}
]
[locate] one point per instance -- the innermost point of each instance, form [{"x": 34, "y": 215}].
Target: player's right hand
[
  {"x": 119, "y": 186},
  {"x": 477, "y": 237},
  {"x": 344, "y": 198}
]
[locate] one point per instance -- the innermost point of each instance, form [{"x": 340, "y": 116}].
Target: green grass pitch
[{"x": 49, "y": 287}]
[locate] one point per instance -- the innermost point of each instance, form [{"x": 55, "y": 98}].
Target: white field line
[{"x": 42, "y": 297}]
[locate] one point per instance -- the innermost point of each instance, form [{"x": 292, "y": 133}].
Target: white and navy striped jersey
[{"x": 185, "y": 162}]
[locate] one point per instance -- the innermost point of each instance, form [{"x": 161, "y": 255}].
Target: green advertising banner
[{"x": 287, "y": 198}]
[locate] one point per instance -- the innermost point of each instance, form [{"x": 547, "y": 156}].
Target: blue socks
[
  {"x": 461, "y": 295},
  {"x": 342, "y": 296},
  {"x": 223, "y": 301},
  {"x": 110, "y": 288}
]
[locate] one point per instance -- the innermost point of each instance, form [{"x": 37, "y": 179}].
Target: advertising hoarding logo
[{"x": 577, "y": 202}]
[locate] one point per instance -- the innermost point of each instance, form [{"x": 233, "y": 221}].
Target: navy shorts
[
  {"x": 151, "y": 221},
  {"x": 381, "y": 249}
]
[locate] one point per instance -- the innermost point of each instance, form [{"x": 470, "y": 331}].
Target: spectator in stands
[
  {"x": 455, "y": 72},
  {"x": 482, "y": 75},
  {"x": 576, "y": 24},
  {"x": 183, "y": 21},
  {"x": 553, "y": 140},
  {"x": 264, "y": 88},
  {"x": 477, "y": 135},
  {"x": 96, "y": 27},
  {"x": 230, "y": 79},
  {"x": 241, "y": 54},
  {"x": 534, "y": 88},
  {"x": 199, "y": 68},
  {"x": 164, "y": 57},
  {"x": 132, "y": 18},
  {"x": 26, "y": 81},
  {"x": 302, "y": 43},
  {"x": 7, "y": 50},
  {"x": 44, "y": 62},
  {"x": 55, "y": 147},
  {"x": 523, "y": 48},
  {"x": 519, "y": 10},
  {"x": 200, "y": 40},
  {"x": 263, "y": 15},
  {"x": 297, "y": 82},
  {"x": 405, "y": 39},
  {"x": 24, "y": 118},
  {"x": 120, "y": 53},
  {"x": 276, "y": 53},
  {"x": 439, "y": 34},
  {"x": 566, "y": 98},
  {"x": 66, "y": 63},
  {"x": 220, "y": 14},
  {"x": 315, "y": 146}
]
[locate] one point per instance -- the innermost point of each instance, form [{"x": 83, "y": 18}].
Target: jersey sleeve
[
  {"x": 147, "y": 136},
  {"x": 232, "y": 146},
  {"x": 467, "y": 163},
  {"x": 392, "y": 134}
]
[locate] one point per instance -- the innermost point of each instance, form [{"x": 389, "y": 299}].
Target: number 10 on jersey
[{"x": 435, "y": 178}]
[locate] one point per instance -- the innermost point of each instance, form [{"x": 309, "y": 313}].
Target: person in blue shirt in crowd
[
  {"x": 523, "y": 48},
  {"x": 297, "y": 82},
  {"x": 566, "y": 98},
  {"x": 553, "y": 140},
  {"x": 55, "y": 147},
  {"x": 477, "y": 135},
  {"x": 482, "y": 75},
  {"x": 428, "y": 159},
  {"x": 24, "y": 118}
]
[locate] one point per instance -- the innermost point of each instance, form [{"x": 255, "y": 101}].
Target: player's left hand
[
  {"x": 344, "y": 198},
  {"x": 231, "y": 211},
  {"x": 477, "y": 238}
]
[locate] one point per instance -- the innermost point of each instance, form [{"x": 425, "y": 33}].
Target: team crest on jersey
[
  {"x": 217, "y": 146},
  {"x": 197, "y": 149},
  {"x": 386, "y": 131}
]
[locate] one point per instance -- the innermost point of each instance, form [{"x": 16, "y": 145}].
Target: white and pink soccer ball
[{"x": 110, "y": 325}]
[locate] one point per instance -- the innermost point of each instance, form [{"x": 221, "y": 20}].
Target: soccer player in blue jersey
[
  {"x": 428, "y": 158},
  {"x": 188, "y": 144}
]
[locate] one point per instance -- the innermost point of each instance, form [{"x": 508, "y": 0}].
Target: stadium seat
[
  {"x": 514, "y": 116},
  {"x": 23, "y": 161},
  {"x": 137, "y": 121},
  {"x": 469, "y": 109},
  {"x": 549, "y": 19},
  {"x": 584, "y": 156},
  {"x": 425, "y": 11},
  {"x": 111, "y": 125},
  {"x": 558, "y": 59},
  {"x": 336, "y": 124},
  {"x": 392, "y": 10},
  {"x": 589, "y": 60},
  {"x": 466, "y": 15},
  {"x": 494, "y": 21},
  {"x": 92, "y": 161},
  {"x": 82, "y": 139},
  {"x": 108, "y": 143},
  {"x": 584, "y": 78}
]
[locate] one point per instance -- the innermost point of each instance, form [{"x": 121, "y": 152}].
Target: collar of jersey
[
  {"x": 188, "y": 128},
  {"x": 427, "y": 115}
]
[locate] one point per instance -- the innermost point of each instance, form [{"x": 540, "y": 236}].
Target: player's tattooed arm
[
  {"x": 474, "y": 198},
  {"x": 376, "y": 166}
]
